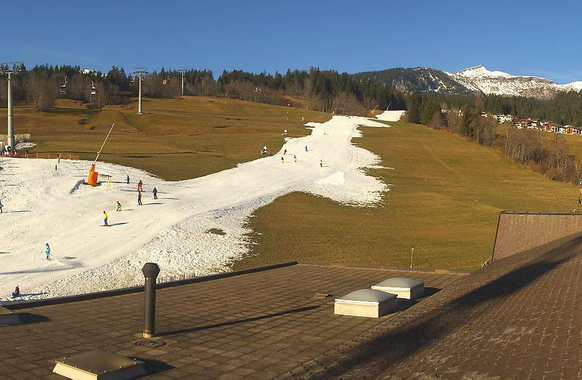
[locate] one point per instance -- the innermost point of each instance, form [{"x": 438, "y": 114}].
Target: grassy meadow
[
  {"x": 444, "y": 199},
  {"x": 175, "y": 138},
  {"x": 445, "y": 193}
]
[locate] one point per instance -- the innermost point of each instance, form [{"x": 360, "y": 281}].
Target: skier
[
  {"x": 140, "y": 185},
  {"x": 47, "y": 251},
  {"x": 139, "y": 198},
  {"x": 321, "y": 163},
  {"x": 282, "y": 159},
  {"x": 155, "y": 191},
  {"x": 16, "y": 292},
  {"x": 295, "y": 158},
  {"x": 105, "y": 217},
  {"x": 118, "y": 206},
  {"x": 127, "y": 179},
  {"x": 306, "y": 148},
  {"x": 1, "y": 207},
  {"x": 285, "y": 152}
]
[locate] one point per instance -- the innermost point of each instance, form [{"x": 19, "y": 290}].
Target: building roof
[
  {"x": 518, "y": 318},
  {"x": 254, "y": 325}
]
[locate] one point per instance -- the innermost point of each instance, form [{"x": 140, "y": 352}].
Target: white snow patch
[
  {"x": 24, "y": 145},
  {"x": 576, "y": 86},
  {"x": 390, "y": 115},
  {"x": 172, "y": 231}
]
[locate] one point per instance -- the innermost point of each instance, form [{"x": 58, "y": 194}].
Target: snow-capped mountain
[
  {"x": 475, "y": 79},
  {"x": 479, "y": 79}
]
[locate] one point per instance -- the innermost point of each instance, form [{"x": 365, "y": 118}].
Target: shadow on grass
[{"x": 239, "y": 321}]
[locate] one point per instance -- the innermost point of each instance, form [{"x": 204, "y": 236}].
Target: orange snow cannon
[{"x": 93, "y": 176}]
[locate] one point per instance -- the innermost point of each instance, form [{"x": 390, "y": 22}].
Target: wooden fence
[{"x": 48, "y": 155}]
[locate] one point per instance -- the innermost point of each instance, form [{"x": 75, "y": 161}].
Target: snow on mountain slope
[
  {"x": 43, "y": 205},
  {"x": 477, "y": 79},
  {"x": 481, "y": 71},
  {"x": 576, "y": 86},
  {"x": 480, "y": 79}
]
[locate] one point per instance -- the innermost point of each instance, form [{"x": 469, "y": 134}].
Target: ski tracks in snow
[{"x": 173, "y": 231}]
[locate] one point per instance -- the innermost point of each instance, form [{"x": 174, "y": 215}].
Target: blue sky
[{"x": 519, "y": 37}]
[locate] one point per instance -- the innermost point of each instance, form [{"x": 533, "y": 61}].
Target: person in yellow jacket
[{"x": 105, "y": 217}]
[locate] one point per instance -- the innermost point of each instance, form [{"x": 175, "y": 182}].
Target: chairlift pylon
[{"x": 63, "y": 88}]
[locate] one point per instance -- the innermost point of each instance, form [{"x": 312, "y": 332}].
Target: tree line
[
  {"x": 564, "y": 108},
  {"x": 321, "y": 90}
]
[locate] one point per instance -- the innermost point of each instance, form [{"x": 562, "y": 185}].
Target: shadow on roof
[
  {"x": 379, "y": 353},
  {"x": 238, "y": 321}
]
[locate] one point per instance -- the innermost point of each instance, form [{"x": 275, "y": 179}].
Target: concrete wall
[{"x": 518, "y": 231}]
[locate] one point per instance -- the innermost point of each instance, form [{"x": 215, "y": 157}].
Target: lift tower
[
  {"x": 140, "y": 72},
  {"x": 183, "y": 71},
  {"x": 9, "y": 68}
]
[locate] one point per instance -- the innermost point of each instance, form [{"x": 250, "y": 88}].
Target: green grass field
[
  {"x": 445, "y": 193},
  {"x": 174, "y": 139},
  {"x": 445, "y": 197}
]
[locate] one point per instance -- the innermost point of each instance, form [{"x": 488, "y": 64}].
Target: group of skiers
[
  {"x": 139, "y": 202},
  {"x": 47, "y": 248},
  {"x": 295, "y": 156}
]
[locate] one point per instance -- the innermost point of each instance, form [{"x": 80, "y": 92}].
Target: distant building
[{"x": 504, "y": 119}]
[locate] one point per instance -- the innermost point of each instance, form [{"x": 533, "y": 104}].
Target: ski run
[{"x": 43, "y": 205}]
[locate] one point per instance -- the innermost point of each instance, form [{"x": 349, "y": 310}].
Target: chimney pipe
[{"x": 150, "y": 272}]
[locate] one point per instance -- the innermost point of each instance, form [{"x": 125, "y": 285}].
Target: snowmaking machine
[{"x": 93, "y": 175}]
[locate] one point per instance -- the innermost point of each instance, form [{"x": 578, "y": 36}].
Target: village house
[
  {"x": 547, "y": 126},
  {"x": 504, "y": 118}
]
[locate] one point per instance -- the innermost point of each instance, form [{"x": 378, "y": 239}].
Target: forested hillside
[{"x": 317, "y": 89}]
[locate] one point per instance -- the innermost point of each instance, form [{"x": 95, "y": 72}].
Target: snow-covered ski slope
[
  {"x": 390, "y": 115},
  {"x": 43, "y": 205}
]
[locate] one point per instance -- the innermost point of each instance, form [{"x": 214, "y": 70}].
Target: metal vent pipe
[{"x": 150, "y": 272}]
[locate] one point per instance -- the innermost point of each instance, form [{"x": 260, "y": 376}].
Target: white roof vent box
[
  {"x": 99, "y": 365},
  {"x": 402, "y": 287},
  {"x": 366, "y": 303}
]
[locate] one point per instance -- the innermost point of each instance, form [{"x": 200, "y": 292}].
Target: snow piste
[{"x": 93, "y": 175}]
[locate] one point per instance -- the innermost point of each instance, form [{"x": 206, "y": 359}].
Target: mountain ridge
[{"x": 471, "y": 80}]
